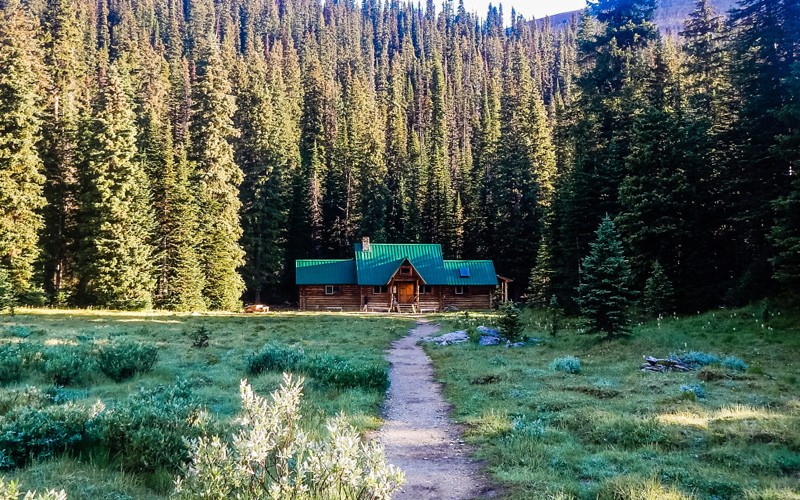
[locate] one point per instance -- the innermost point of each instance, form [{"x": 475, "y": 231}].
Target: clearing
[
  {"x": 729, "y": 430},
  {"x": 68, "y": 454}
]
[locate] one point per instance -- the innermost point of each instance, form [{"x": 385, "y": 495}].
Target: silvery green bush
[{"x": 272, "y": 457}]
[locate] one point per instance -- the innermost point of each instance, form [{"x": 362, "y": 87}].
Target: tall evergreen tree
[
  {"x": 115, "y": 219},
  {"x": 21, "y": 176},
  {"x": 604, "y": 294},
  {"x": 217, "y": 179},
  {"x": 66, "y": 103}
]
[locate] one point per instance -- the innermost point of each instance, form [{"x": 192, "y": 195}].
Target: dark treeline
[{"x": 178, "y": 154}]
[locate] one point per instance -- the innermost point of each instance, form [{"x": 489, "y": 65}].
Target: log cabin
[{"x": 397, "y": 278}]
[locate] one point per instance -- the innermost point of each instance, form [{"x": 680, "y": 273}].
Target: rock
[
  {"x": 488, "y": 332},
  {"x": 515, "y": 344},
  {"x": 489, "y": 340},
  {"x": 456, "y": 337}
]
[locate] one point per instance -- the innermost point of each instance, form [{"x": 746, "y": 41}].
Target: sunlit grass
[
  {"x": 612, "y": 431},
  {"x": 214, "y": 373}
]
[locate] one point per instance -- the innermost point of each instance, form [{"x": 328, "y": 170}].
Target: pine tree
[
  {"x": 765, "y": 47},
  {"x": 656, "y": 191},
  {"x": 217, "y": 180},
  {"x": 21, "y": 176},
  {"x": 67, "y": 104},
  {"x": 599, "y": 125},
  {"x": 540, "y": 284},
  {"x": 785, "y": 234},
  {"x": 268, "y": 163},
  {"x": 181, "y": 281},
  {"x": 8, "y": 299},
  {"x": 658, "y": 297},
  {"x": 115, "y": 220},
  {"x": 604, "y": 295}
]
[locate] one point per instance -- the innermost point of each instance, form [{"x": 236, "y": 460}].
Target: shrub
[
  {"x": 200, "y": 337},
  {"x": 274, "y": 357},
  {"x": 30, "y": 432},
  {"x": 148, "y": 430},
  {"x": 567, "y": 364},
  {"x": 63, "y": 364},
  {"x": 17, "y": 398},
  {"x": 734, "y": 363},
  {"x": 289, "y": 464},
  {"x": 697, "y": 359},
  {"x": 11, "y": 491},
  {"x": 343, "y": 372},
  {"x": 11, "y": 361},
  {"x": 694, "y": 391},
  {"x": 510, "y": 323},
  {"x": 474, "y": 335},
  {"x": 121, "y": 359}
]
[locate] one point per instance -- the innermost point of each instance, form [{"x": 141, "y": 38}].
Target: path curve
[{"x": 417, "y": 433}]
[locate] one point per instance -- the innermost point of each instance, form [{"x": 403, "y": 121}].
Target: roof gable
[{"x": 377, "y": 266}]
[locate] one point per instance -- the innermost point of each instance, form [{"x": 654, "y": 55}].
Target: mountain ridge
[{"x": 670, "y": 14}]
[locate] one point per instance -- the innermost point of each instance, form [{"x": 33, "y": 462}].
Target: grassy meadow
[
  {"x": 725, "y": 431},
  {"x": 188, "y": 382}
]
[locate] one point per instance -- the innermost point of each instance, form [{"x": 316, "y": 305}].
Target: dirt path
[{"x": 418, "y": 436}]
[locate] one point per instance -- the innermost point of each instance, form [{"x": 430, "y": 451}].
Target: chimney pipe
[{"x": 365, "y": 244}]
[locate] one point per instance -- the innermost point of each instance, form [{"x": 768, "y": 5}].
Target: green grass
[
  {"x": 214, "y": 373},
  {"x": 612, "y": 431}
]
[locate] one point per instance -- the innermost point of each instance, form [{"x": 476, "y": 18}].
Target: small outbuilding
[{"x": 393, "y": 277}]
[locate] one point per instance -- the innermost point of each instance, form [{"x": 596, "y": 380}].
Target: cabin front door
[{"x": 405, "y": 293}]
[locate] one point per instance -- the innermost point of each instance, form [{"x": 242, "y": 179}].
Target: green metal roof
[
  {"x": 377, "y": 266},
  {"x": 326, "y": 272},
  {"x": 481, "y": 272}
]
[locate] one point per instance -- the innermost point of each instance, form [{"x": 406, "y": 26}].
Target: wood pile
[{"x": 663, "y": 365}]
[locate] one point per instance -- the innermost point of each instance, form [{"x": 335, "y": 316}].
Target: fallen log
[{"x": 663, "y": 365}]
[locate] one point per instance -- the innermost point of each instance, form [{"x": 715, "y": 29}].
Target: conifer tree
[
  {"x": 67, "y": 104},
  {"x": 115, "y": 219},
  {"x": 659, "y": 295},
  {"x": 181, "y": 280},
  {"x": 437, "y": 212},
  {"x": 8, "y": 299},
  {"x": 217, "y": 180},
  {"x": 21, "y": 176},
  {"x": 785, "y": 234},
  {"x": 604, "y": 294}
]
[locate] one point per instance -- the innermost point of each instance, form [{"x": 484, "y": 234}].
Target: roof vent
[
  {"x": 464, "y": 272},
  {"x": 365, "y": 244}
]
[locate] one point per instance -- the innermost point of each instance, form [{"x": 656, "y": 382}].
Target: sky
[{"x": 527, "y": 8}]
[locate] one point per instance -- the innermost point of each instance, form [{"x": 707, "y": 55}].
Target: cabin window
[
  {"x": 406, "y": 270},
  {"x": 425, "y": 289},
  {"x": 462, "y": 290},
  {"x": 380, "y": 289},
  {"x": 331, "y": 289}
]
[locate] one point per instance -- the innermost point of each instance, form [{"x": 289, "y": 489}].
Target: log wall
[
  {"x": 351, "y": 298},
  {"x": 313, "y": 298},
  {"x": 478, "y": 297}
]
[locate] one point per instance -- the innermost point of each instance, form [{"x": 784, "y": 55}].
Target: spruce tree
[
  {"x": 67, "y": 60},
  {"x": 216, "y": 182},
  {"x": 115, "y": 219},
  {"x": 21, "y": 178},
  {"x": 658, "y": 297},
  {"x": 604, "y": 294},
  {"x": 181, "y": 280}
]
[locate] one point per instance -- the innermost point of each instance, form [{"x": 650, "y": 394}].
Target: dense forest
[{"x": 181, "y": 154}]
